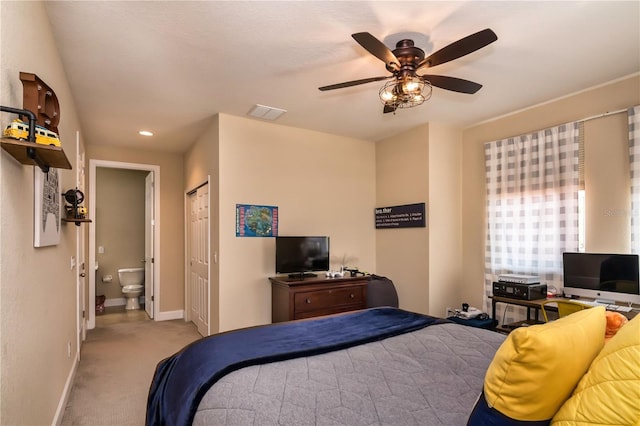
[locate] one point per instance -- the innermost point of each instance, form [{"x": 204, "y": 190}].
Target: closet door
[{"x": 199, "y": 258}]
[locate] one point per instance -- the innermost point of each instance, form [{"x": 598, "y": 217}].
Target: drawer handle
[
  {"x": 352, "y": 296},
  {"x": 307, "y": 300}
]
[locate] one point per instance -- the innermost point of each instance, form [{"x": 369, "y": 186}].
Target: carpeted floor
[{"x": 117, "y": 363}]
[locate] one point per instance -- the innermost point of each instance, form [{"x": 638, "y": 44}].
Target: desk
[
  {"x": 533, "y": 310},
  {"x": 533, "y": 306}
]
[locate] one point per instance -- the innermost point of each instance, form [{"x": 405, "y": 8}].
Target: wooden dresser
[{"x": 294, "y": 298}]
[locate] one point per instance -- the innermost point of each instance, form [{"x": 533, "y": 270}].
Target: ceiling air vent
[{"x": 265, "y": 112}]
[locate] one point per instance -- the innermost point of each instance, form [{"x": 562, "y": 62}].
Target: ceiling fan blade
[
  {"x": 377, "y": 49},
  {"x": 460, "y": 48},
  {"x": 389, "y": 108},
  {"x": 352, "y": 83},
  {"x": 452, "y": 83}
]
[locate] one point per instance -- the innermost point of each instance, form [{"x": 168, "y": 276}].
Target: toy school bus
[{"x": 20, "y": 130}]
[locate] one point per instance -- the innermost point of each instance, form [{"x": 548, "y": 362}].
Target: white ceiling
[{"x": 170, "y": 66}]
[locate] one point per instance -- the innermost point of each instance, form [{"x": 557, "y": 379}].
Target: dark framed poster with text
[{"x": 405, "y": 216}]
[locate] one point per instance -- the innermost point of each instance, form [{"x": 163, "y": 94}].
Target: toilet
[{"x": 132, "y": 280}]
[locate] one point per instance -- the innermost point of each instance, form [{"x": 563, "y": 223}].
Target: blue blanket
[{"x": 181, "y": 381}]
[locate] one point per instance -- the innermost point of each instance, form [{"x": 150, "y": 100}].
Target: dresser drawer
[
  {"x": 293, "y": 298},
  {"x": 333, "y": 297}
]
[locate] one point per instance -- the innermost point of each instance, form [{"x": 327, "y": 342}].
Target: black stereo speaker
[{"x": 520, "y": 291}]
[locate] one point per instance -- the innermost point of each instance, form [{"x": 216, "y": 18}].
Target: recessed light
[{"x": 145, "y": 133}]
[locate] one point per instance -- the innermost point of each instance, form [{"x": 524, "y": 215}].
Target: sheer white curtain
[
  {"x": 532, "y": 206},
  {"x": 634, "y": 167}
]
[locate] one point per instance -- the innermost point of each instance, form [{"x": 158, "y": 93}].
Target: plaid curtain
[
  {"x": 634, "y": 167},
  {"x": 532, "y": 207}
]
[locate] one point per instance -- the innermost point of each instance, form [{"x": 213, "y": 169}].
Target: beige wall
[
  {"x": 119, "y": 219},
  {"x": 607, "y": 185},
  {"x": 37, "y": 285},
  {"x": 604, "y": 145},
  {"x": 171, "y": 217},
  {"x": 422, "y": 165},
  {"x": 314, "y": 180},
  {"x": 201, "y": 165},
  {"x": 402, "y": 177},
  {"x": 445, "y": 218}
]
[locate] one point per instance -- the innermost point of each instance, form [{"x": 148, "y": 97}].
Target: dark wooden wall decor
[{"x": 40, "y": 99}]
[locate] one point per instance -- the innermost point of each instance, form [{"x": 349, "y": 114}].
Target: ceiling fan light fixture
[
  {"x": 387, "y": 93},
  {"x": 406, "y": 89},
  {"x": 406, "y": 92},
  {"x": 412, "y": 85}
]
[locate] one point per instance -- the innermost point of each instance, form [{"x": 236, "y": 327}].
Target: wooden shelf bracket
[{"x": 31, "y": 153}]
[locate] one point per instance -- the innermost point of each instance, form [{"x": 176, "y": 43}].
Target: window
[{"x": 532, "y": 204}]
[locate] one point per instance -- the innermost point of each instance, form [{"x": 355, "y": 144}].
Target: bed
[{"x": 379, "y": 366}]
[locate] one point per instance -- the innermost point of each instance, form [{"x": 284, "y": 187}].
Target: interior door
[
  {"x": 149, "y": 225},
  {"x": 199, "y": 258}
]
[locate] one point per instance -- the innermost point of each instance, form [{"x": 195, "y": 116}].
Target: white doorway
[
  {"x": 197, "y": 268},
  {"x": 81, "y": 269},
  {"x": 149, "y": 227},
  {"x": 152, "y": 237}
]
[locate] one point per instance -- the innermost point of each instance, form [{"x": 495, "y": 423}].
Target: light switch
[{"x": 100, "y": 249}]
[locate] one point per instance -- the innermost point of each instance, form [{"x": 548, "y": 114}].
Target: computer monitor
[{"x": 602, "y": 276}]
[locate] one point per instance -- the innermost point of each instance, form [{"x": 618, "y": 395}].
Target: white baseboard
[
  {"x": 66, "y": 392},
  {"x": 169, "y": 315},
  {"x": 115, "y": 302}
]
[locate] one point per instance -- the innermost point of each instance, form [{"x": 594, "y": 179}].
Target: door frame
[
  {"x": 149, "y": 254},
  {"x": 81, "y": 261},
  {"x": 93, "y": 165},
  {"x": 187, "y": 252}
]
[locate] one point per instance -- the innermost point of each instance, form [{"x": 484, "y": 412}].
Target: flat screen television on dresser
[
  {"x": 602, "y": 276},
  {"x": 301, "y": 256}
]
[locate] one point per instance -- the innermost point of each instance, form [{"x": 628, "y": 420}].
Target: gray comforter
[{"x": 427, "y": 377}]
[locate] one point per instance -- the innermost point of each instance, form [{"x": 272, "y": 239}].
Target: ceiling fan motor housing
[{"x": 409, "y": 56}]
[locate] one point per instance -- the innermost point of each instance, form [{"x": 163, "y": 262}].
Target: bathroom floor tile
[{"x": 117, "y": 314}]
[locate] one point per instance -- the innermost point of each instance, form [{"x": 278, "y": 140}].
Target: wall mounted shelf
[
  {"x": 76, "y": 221},
  {"x": 31, "y": 153}
]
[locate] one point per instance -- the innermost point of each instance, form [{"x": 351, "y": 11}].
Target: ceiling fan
[{"x": 405, "y": 87}]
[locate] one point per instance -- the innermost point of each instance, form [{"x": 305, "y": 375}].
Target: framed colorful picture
[
  {"x": 256, "y": 221},
  {"x": 46, "y": 208}
]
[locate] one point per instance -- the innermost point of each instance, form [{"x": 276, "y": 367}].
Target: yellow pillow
[
  {"x": 537, "y": 367},
  {"x": 609, "y": 393}
]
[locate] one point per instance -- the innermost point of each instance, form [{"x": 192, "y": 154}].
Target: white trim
[
  {"x": 187, "y": 298},
  {"x": 500, "y": 117},
  {"x": 93, "y": 164},
  {"x": 81, "y": 261},
  {"x": 209, "y": 252},
  {"x": 604, "y": 114},
  {"x": 66, "y": 392},
  {"x": 169, "y": 315}
]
